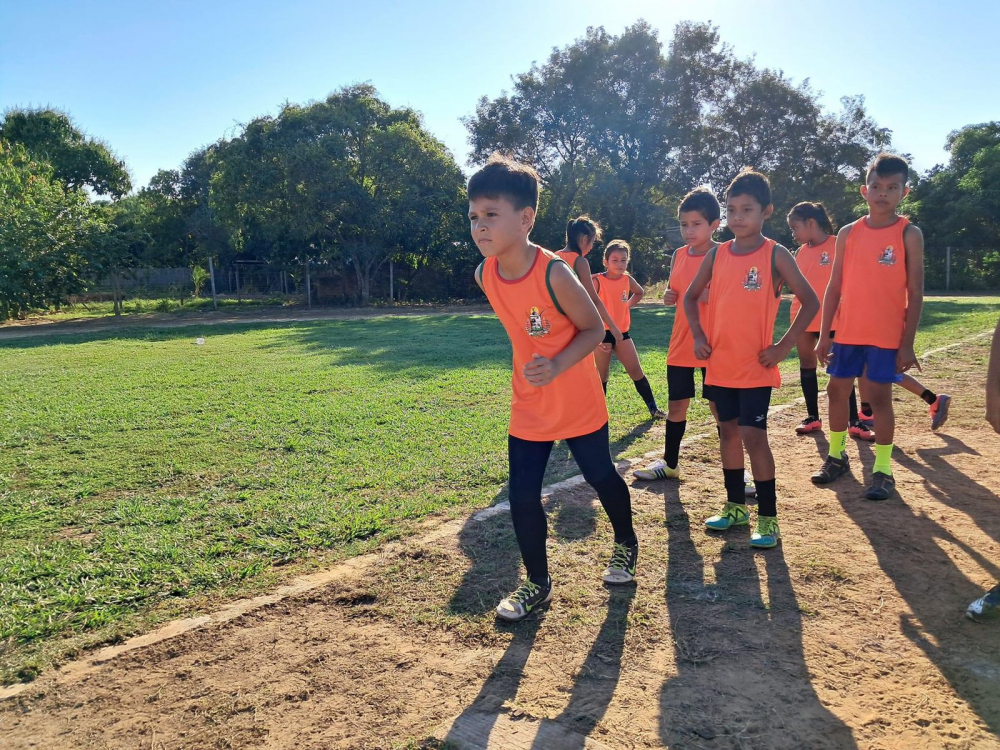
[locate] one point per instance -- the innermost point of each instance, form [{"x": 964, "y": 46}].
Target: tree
[{"x": 78, "y": 161}]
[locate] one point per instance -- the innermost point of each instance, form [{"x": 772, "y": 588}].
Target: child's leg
[
  {"x": 592, "y": 454},
  {"x": 880, "y": 395},
  {"x": 939, "y": 403},
  {"x": 629, "y": 358},
  {"x": 527, "y": 468},
  {"x": 806, "y": 347},
  {"x": 913, "y": 385},
  {"x": 603, "y": 361}
]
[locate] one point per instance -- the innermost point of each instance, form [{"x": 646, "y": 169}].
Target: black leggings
[{"x": 528, "y": 459}]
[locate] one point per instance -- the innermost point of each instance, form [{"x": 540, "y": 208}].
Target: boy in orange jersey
[
  {"x": 554, "y": 329},
  {"x": 875, "y": 333},
  {"x": 746, "y": 275}
]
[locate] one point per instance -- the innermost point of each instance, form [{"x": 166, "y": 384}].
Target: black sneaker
[
  {"x": 986, "y": 607},
  {"x": 621, "y": 569},
  {"x": 882, "y": 486},
  {"x": 522, "y": 602},
  {"x": 832, "y": 468}
]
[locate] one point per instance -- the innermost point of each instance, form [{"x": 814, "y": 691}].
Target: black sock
[
  {"x": 853, "y": 406},
  {"x": 929, "y": 396},
  {"x": 866, "y": 410},
  {"x": 646, "y": 391},
  {"x": 810, "y": 389},
  {"x": 735, "y": 486},
  {"x": 672, "y": 449},
  {"x": 604, "y": 385},
  {"x": 617, "y": 503},
  {"x": 767, "y": 501}
]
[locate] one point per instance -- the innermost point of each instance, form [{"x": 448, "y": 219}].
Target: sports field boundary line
[{"x": 91, "y": 663}]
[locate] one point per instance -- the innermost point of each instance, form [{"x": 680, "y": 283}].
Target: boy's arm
[
  {"x": 913, "y": 239},
  {"x": 993, "y": 382},
  {"x": 583, "y": 273},
  {"x": 702, "y": 350},
  {"x": 831, "y": 299},
  {"x": 637, "y": 292},
  {"x": 790, "y": 274},
  {"x": 579, "y": 308},
  {"x": 479, "y": 275},
  {"x": 670, "y": 296}
]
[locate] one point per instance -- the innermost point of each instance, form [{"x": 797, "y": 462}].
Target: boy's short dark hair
[
  {"x": 886, "y": 164},
  {"x": 703, "y": 201},
  {"x": 617, "y": 246},
  {"x": 502, "y": 177},
  {"x": 752, "y": 183}
]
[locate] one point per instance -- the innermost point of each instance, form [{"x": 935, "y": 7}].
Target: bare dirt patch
[{"x": 849, "y": 634}]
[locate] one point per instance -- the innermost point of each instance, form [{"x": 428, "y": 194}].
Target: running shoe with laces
[
  {"x": 657, "y": 470},
  {"x": 986, "y": 607},
  {"x": 881, "y": 487},
  {"x": 656, "y": 413},
  {"x": 939, "y": 410},
  {"x": 767, "y": 534},
  {"x": 621, "y": 569},
  {"x": 832, "y": 469},
  {"x": 519, "y": 604},
  {"x": 809, "y": 424},
  {"x": 733, "y": 514},
  {"x": 862, "y": 430}
]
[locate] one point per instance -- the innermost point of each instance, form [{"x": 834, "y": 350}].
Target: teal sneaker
[
  {"x": 733, "y": 514},
  {"x": 767, "y": 534}
]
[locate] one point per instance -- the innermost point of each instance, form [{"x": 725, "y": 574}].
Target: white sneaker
[{"x": 657, "y": 470}]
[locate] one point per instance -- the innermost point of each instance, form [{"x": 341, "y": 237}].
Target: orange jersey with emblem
[
  {"x": 873, "y": 293},
  {"x": 682, "y": 272},
  {"x": 614, "y": 293},
  {"x": 572, "y": 404},
  {"x": 816, "y": 264},
  {"x": 742, "y": 308}
]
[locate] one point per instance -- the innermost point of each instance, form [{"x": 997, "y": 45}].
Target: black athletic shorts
[
  {"x": 610, "y": 339},
  {"x": 749, "y": 405},
  {"x": 680, "y": 383}
]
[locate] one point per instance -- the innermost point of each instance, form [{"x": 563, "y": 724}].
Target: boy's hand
[
  {"x": 703, "y": 297},
  {"x": 540, "y": 371},
  {"x": 993, "y": 407},
  {"x": 771, "y": 356},
  {"x": 670, "y": 297},
  {"x": 701, "y": 348},
  {"x": 906, "y": 358},
  {"x": 617, "y": 333},
  {"x": 823, "y": 347}
]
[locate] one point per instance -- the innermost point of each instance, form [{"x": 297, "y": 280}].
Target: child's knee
[
  {"x": 754, "y": 438},
  {"x": 730, "y": 430},
  {"x": 677, "y": 410}
]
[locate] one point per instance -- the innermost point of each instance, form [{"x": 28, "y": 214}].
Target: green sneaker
[
  {"x": 522, "y": 602},
  {"x": 767, "y": 534},
  {"x": 732, "y": 515},
  {"x": 621, "y": 569}
]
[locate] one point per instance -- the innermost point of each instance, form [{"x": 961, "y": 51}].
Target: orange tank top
[
  {"x": 873, "y": 294},
  {"x": 816, "y": 264},
  {"x": 682, "y": 272},
  {"x": 742, "y": 308},
  {"x": 572, "y": 404},
  {"x": 570, "y": 257},
  {"x": 614, "y": 293}
]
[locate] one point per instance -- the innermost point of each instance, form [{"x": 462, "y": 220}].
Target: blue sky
[{"x": 158, "y": 80}]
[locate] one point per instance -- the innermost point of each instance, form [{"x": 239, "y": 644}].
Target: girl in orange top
[
  {"x": 556, "y": 392},
  {"x": 812, "y": 229},
  {"x": 582, "y": 233},
  {"x": 620, "y": 293},
  {"x": 746, "y": 275}
]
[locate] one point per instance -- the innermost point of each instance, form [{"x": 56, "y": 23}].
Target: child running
[
  {"x": 556, "y": 393},
  {"x": 619, "y": 293},
  {"x": 987, "y": 607},
  {"x": 812, "y": 229},
  {"x": 877, "y": 287},
  {"x": 746, "y": 275}
]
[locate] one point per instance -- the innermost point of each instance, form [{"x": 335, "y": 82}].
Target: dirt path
[
  {"x": 44, "y": 327},
  {"x": 849, "y": 634}
]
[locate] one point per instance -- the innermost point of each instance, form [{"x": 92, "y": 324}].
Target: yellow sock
[
  {"x": 883, "y": 454},
  {"x": 838, "y": 441}
]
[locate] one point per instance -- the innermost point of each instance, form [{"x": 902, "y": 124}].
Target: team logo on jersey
[
  {"x": 887, "y": 257},
  {"x": 824, "y": 258},
  {"x": 625, "y": 296},
  {"x": 538, "y": 324},
  {"x": 751, "y": 282}
]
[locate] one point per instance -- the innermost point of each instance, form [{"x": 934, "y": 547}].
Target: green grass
[
  {"x": 144, "y": 306},
  {"x": 141, "y": 475}
]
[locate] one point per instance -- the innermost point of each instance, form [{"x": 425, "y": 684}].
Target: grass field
[{"x": 142, "y": 475}]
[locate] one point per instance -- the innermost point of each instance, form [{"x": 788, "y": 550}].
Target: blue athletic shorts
[{"x": 854, "y": 360}]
